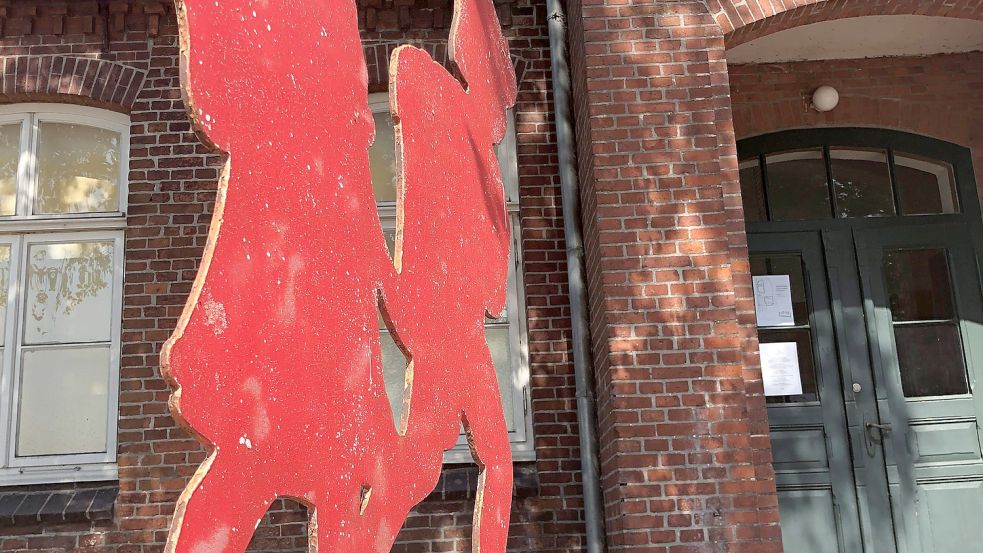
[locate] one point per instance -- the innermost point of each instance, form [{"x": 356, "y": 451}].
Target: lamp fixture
[{"x": 825, "y": 98}]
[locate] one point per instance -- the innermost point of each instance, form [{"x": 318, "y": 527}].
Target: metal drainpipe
[{"x": 582, "y": 365}]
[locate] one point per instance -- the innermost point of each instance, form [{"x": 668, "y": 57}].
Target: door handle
[{"x": 882, "y": 429}]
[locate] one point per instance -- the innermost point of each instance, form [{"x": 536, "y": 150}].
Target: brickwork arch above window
[
  {"x": 69, "y": 79},
  {"x": 742, "y": 20}
]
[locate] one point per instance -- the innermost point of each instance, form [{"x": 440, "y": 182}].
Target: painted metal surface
[{"x": 275, "y": 361}]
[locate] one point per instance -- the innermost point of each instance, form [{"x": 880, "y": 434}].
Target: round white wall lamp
[{"x": 825, "y": 98}]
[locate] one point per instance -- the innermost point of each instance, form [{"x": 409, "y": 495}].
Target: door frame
[{"x": 847, "y": 299}]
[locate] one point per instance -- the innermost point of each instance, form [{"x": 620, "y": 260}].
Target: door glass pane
[
  {"x": 791, "y": 266},
  {"x": 753, "y": 191},
  {"x": 807, "y": 366},
  {"x": 78, "y": 169},
  {"x": 926, "y": 329},
  {"x": 69, "y": 292},
  {"x": 925, "y": 186},
  {"x": 382, "y": 158},
  {"x": 797, "y": 187},
  {"x": 931, "y": 359},
  {"x": 918, "y": 284},
  {"x": 63, "y": 401},
  {"x": 9, "y": 158},
  {"x": 861, "y": 182}
]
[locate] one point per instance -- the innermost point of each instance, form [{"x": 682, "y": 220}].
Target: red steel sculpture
[{"x": 275, "y": 362}]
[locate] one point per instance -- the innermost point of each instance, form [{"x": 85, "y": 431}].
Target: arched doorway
[{"x": 872, "y": 240}]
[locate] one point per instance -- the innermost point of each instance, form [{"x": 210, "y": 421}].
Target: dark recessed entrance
[{"x": 876, "y": 436}]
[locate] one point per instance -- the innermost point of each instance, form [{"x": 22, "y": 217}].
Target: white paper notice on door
[
  {"x": 773, "y": 300},
  {"x": 780, "y": 369}
]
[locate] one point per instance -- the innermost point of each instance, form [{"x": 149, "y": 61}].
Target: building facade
[{"x": 702, "y": 164}]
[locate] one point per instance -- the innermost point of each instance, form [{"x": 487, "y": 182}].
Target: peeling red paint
[{"x": 276, "y": 360}]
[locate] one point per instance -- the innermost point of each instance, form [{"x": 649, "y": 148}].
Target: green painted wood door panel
[
  {"x": 925, "y": 326},
  {"x": 810, "y": 443}
]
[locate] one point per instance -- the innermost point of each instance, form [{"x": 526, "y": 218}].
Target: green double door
[{"x": 880, "y": 452}]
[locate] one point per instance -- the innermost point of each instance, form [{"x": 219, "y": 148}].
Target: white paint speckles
[
  {"x": 246, "y": 442},
  {"x": 215, "y": 316}
]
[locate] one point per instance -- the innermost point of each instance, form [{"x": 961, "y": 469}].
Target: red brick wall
[
  {"x": 674, "y": 339},
  {"x": 684, "y": 451},
  {"x": 936, "y": 96},
  {"x": 172, "y": 184}
]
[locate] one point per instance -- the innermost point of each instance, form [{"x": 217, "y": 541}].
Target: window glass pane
[
  {"x": 498, "y": 343},
  {"x": 918, "y": 285},
  {"x": 382, "y": 158},
  {"x": 797, "y": 187},
  {"x": 78, "y": 169},
  {"x": 861, "y": 182},
  {"x": 69, "y": 292},
  {"x": 925, "y": 185},
  {"x": 394, "y": 369},
  {"x": 394, "y": 373},
  {"x": 63, "y": 401},
  {"x": 807, "y": 366},
  {"x": 9, "y": 158},
  {"x": 752, "y": 191},
  {"x": 4, "y": 289},
  {"x": 791, "y": 265},
  {"x": 930, "y": 358}
]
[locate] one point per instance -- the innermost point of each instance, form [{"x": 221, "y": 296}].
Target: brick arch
[
  {"x": 377, "y": 61},
  {"x": 71, "y": 79},
  {"x": 857, "y": 112},
  {"x": 744, "y": 20},
  {"x": 912, "y": 95}
]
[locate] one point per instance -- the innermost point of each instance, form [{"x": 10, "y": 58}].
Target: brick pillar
[{"x": 684, "y": 449}]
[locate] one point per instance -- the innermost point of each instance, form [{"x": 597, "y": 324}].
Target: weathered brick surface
[
  {"x": 684, "y": 442},
  {"x": 172, "y": 189},
  {"x": 685, "y": 451},
  {"x": 744, "y": 21},
  {"x": 685, "y": 456},
  {"x": 935, "y": 96}
]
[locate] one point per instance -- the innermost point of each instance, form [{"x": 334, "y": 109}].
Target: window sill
[
  {"x": 55, "y": 504},
  {"x": 63, "y": 475}
]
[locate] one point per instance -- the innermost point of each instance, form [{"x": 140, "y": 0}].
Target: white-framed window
[
  {"x": 506, "y": 336},
  {"x": 63, "y": 190}
]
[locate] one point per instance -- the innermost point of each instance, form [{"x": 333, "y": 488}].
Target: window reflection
[
  {"x": 926, "y": 327},
  {"x": 69, "y": 292},
  {"x": 382, "y": 158},
  {"x": 9, "y": 160},
  {"x": 78, "y": 169},
  {"x": 797, "y": 188},
  {"x": 861, "y": 182},
  {"x": 866, "y": 182},
  {"x": 753, "y": 191},
  {"x": 925, "y": 186}
]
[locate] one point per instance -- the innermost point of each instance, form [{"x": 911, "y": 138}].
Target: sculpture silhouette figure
[
  {"x": 452, "y": 258},
  {"x": 275, "y": 361}
]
